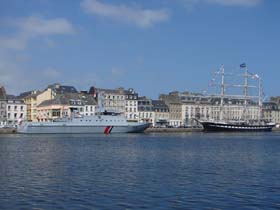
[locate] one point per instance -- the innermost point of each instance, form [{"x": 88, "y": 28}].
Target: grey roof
[
  {"x": 61, "y": 89},
  {"x": 270, "y": 106},
  {"x": 56, "y": 101},
  {"x": 144, "y": 98},
  {"x": 32, "y": 93},
  {"x": 3, "y": 95},
  {"x": 159, "y": 104},
  {"x": 112, "y": 91},
  {"x": 130, "y": 91},
  {"x": 66, "y": 98},
  {"x": 14, "y": 98}
]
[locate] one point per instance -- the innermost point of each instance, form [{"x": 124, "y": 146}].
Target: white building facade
[
  {"x": 16, "y": 109},
  {"x": 131, "y": 105}
]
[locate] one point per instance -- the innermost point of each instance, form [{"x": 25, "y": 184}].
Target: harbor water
[{"x": 140, "y": 171}]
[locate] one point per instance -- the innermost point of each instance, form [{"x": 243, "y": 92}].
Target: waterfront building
[
  {"x": 113, "y": 99},
  {"x": 65, "y": 105},
  {"x": 271, "y": 112},
  {"x": 16, "y": 109},
  {"x": 176, "y": 119},
  {"x": 34, "y": 98},
  {"x": 53, "y": 91},
  {"x": 202, "y": 107},
  {"x": 145, "y": 109},
  {"x": 174, "y": 103},
  {"x": 186, "y": 107},
  {"x": 161, "y": 113},
  {"x": 89, "y": 103},
  {"x": 30, "y": 99},
  {"x": 276, "y": 100},
  {"x": 131, "y": 105},
  {"x": 194, "y": 106},
  {"x": 3, "y": 104}
]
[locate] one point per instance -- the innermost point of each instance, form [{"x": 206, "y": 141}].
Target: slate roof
[
  {"x": 66, "y": 98},
  {"x": 32, "y": 93},
  {"x": 117, "y": 91},
  {"x": 159, "y": 104},
  {"x": 62, "y": 89},
  {"x": 3, "y": 95}
]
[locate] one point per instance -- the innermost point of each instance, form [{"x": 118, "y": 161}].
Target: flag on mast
[{"x": 243, "y": 65}]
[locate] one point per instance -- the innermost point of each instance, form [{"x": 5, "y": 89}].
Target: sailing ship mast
[
  {"x": 246, "y": 75},
  {"x": 246, "y": 97},
  {"x": 222, "y": 70},
  {"x": 251, "y": 105},
  {"x": 260, "y": 98}
]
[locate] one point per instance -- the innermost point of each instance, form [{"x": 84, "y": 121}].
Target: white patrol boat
[
  {"x": 103, "y": 122},
  {"x": 106, "y": 122}
]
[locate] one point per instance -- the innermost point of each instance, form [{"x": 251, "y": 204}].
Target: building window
[
  {"x": 15, "y": 116},
  {"x": 9, "y": 108}
]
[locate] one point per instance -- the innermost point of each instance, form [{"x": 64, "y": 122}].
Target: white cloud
[
  {"x": 137, "y": 16},
  {"x": 116, "y": 72},
  {"x": 17, "y": 42},
  {"x": 241, "y": 3},
  {"x": 39, "y": 26},
  {"x": 16, "y": 74},
  {"x": 51, "y": 73},
  {"x": 236, "y": 2},
  {"x": 33, "y": 27}
]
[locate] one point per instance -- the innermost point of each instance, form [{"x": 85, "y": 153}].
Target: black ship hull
[{"x": 231, "y": 127}]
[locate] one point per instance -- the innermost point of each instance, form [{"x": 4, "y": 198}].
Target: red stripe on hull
[{"x": 107, "y": 130}]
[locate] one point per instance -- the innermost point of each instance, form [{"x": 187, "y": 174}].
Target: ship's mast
[
  {"x": 222, "y": 70},
  {"x": 246, "y": 93},
  {"x": 260, "y": 98}
]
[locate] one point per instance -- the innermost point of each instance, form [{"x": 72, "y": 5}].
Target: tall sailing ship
[{"x": 244, "y": 123}]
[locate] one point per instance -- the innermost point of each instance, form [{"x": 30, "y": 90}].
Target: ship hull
[
  {"x": 224, "y": 127},
  {"x": 59, "y": 128}
]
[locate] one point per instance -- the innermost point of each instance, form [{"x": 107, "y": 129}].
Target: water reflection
[{"x": 164, "y": 171}]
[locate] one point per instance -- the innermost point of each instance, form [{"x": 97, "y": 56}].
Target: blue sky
[{"x": 154, "y": 46}]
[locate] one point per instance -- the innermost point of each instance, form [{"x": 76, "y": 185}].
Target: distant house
[
  {"x": 131, "y": 105},
  {"x": 16, "y": 109},
  {"x": 113, "y": 99},
  {"x": 34, "y": 98},
  {"x": 30, "y": 99},
  {"x": 64, "y": 105},
  {"x": 161, "y": 113},
  {"x": 3, "y": 104},
  {"x": 145, "y": 109},
  {"x": 271, "y": 112}
]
